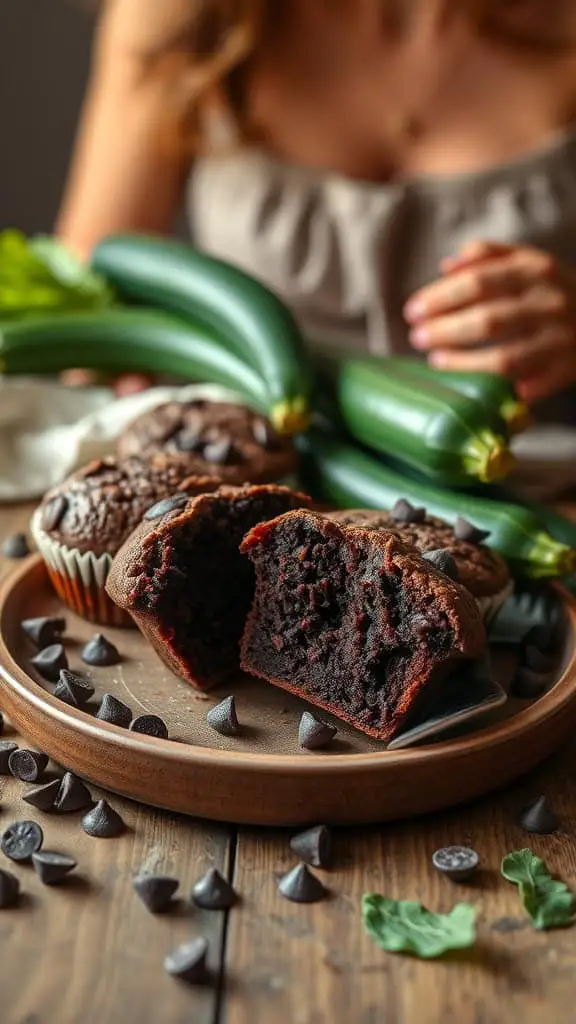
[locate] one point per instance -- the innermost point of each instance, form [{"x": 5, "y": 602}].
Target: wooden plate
[{"x": 261, "y": 777}]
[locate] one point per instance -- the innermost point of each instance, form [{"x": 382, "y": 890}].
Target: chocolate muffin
[
  {"x": 182, "y": 578},
  {"x": 80, "y": 524},
  {"x": 216, "y": 438},
  {"x": 354, "y": 620}
]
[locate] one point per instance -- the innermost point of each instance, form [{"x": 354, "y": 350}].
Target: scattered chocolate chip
[
  {"x": 72, "y": 689},
  {"x": 264, "y": 435},
  {"x": 213, "y": 892},
  {"x": 103, "y": 822},
  {"x": 73, "y": 795},
  {"x": 27, "y": 765},
  {"x": 456, "y": 862},
  {"x": 527, "y": 685},
  {"x": 9, "y": 889},
  {"x": 223, "y": 718},
  {"x": 538, "y": 817},
  {"x": 53, "y": 512},
  {"x": 52, "y": 867},
  {"x": 536, "y": 660},
  {"x": 43, "y": 797},
  {"x": 114, "y": 711},
  {"x": 155, "y": 891},
  {"x": 314, "y": 846},
  {"x": 442, "y": 560},
  {"x": 188, "y": 962},
  {"x": 314, "y": 733},
  {"x": 43, "y": 631},
  {"x": 150, "y": 725},
  {"x": 464, "y": 530},
  {"x": 21, "y": 840},
  {"x": 50, "y": 662},
  {"x": 100, "y": 653},
  {"x": 16, "y": 546},
  {"x": 162, "y": 508},
  {"x": 222, "y": 453},
  {"x": 7, "y": 748},
  {"x": 542, "y": 637},
  {"x": 189, "y": 441},
  {"x": 301, "y": 886},
  {"x": 404, "y": 512}
]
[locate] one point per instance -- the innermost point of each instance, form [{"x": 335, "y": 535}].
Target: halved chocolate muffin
[
  {"x": 354, "y": 620},
  {"x": 216, "y": 438},
  {"x": 183, "y": 580}
]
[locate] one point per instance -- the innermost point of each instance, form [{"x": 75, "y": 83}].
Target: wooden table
[{"x": 89, "y": 952}]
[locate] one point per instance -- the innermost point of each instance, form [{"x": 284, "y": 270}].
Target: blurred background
[{"x": 44, "y": 59}]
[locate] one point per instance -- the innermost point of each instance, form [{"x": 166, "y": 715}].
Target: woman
[{"x": 402, "y": 172}]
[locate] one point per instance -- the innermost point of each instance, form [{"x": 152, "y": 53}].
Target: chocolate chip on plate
[
  {"x": 533, "y": 658},
  {"x": 9, "y": 889},
  {"x": 52, "y": 867},
  {"x": 442, "y": 560},
  {"x": 221, "y": 453},
  {"x": 314, "y": 846},
  {"x": 114, "y": 711},
  {"x": 72, "y": 795},
  {"x": 213, "y": 892},
  {"x": 44, "y": 630},
  {"x": 15, "y": 546},
  {"x": 50, "y": 662},
  {"x": 21, "y": 840},
  {"x": 7, "y": 748},
  {"x": 539, "y": 818},
  {"x": 155, "y": 891},
  {"x": 464, "y": 530},
  {"x": 223, "y": 718},
  {"x": 27, "y": 765},
  {"x": 314, "y": 733},
  {"x": 72, "y": 689},
  {"x": 43, "y": 797},
  {"x": 188, "y": 962},
  {"x": 542, "y": 637},
  {"x": 404, "y": 512},
  {"x": 456, "y": 862},
  {"x": 527, "y": 685},
  {"x": 103, "y": 822},
  {"x": 150, "y": 725},
  {"x": 54, "y": 512},
  {"x": 162, "y": 508},
  {"x": 301, "y": 886},
  {"x": 100, "y": 653}
]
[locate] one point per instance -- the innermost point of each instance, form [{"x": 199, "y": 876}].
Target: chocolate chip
[
  {"x": 456, "y": 862},
  {"x": 27, "y": 765},
  {"x": 52, "y": 867},
  {"x": 301, "y": 886},
  {"x": 162, "y": 508},
  {"x": 264, "y": 435},
  {"x": 53, "y": 513},
  {"x": 442, "y": 560},
  {"x": 464, "y": 530},
  {"x": 50, "y": 662},
  {"x": 43, "y": 631},
  {"x": 21, "y": 840},
  {"x": 43, "y": 797},
  {"x": 528, "y": 684},
  {"x": 538, "y": 817},
  {"x": 188, "y": 962},
  {"x": 9, "y": 889},
  {"x": 314, "y": 733},
  {"x": 314, "y": 846},
  {"x": 404, "y": 512},
  {"x": 533, "y": 658},
  {"x": 114, "y": 711},
  {"x": 542, "y": 637},
  {"x": 7, "y": 748},
  {"x": 72, "y": 689},
  {"x": 155, "y": 891},
  {"x": 16, "y": 546},
  {"x": 150, "y": 725},
  {"x": 222, "y": 453},
  {"x": 103, "y": 822},
  {"x": 100, "y": 653},
  {"x": 213, "y": 892},
  {"x": 223, "y": 718},
  {"x": 72, "y": 795},
  {"x": 189, "y": 441}
]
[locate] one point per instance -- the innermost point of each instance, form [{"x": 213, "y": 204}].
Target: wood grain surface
[{"x": 89, "y": 952}]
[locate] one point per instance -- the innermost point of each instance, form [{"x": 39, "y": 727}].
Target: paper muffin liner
[{"x": 79, "y": 578}]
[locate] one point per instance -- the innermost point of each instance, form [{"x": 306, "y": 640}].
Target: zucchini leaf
[
  {"x": 402, "y": 926},
  {"x": 549, "y": 903}
]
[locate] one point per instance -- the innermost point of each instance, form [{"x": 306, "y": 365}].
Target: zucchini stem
[
  {"x": 516, "y": 415},
  {"x": 290, "y": 417},
  {"x": 487, "y": 457},
  {"x": 548, "y": 557}
]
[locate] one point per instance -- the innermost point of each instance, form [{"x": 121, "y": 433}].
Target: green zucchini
[
  {"x": 491, "y": 389},
  {"x": 248, "y": 318},
  {"x": 126, "y": 339},
  {"x": 342, "y": 475},
  {"x": 439, "y": 432}
]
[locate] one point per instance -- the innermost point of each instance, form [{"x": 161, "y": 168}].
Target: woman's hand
[{"x": 505, "y": 309}]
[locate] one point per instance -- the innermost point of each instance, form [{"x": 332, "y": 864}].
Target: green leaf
[
  {"x": 549, "y": 903},
  {"x": 401, "y": 926}
]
